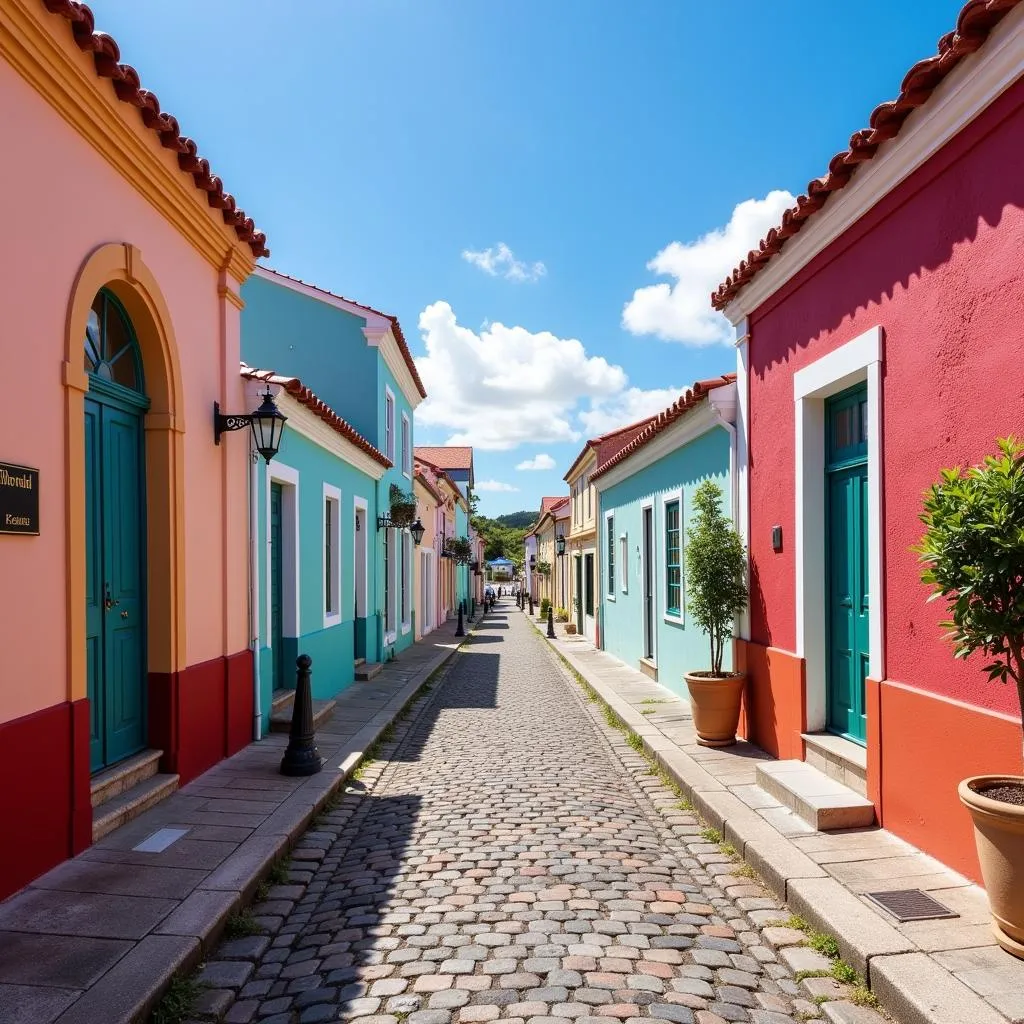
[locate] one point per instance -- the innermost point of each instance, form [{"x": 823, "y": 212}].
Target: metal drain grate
[{"x": 910, "y": 905}]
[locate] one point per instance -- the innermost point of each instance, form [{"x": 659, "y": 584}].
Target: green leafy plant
[
  {"x": 715, "y": 571},
  {"x": 545, "y": 604},
  {"x": 973, "y": 557},
  {"x": 402, "y": 506},
  {"x": 544, "y": 568},
  {"x": 459, "y": 549},
  {"x": 241, "y": 924},
  {"x": 176, "y": 1004},
  {"x": 711, "y": 835},
  {"x": 561, "y": 615}
]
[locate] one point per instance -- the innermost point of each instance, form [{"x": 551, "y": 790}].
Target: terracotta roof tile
[
  {"x": 606, "y": 445},
  {"x": 547, "y": 504},
  {"x": 664, "y": 420},
  {"x": 445, "y": 457},
  {"x": 302, "y": 394},
  {"x": 395, "y": 325},
  {"x": 106, "y": 58},
  {"x": 976, "y": 20},
  {"x": 438, "y": 474}
]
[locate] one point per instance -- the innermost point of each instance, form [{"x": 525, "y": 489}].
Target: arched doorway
[{"x": 115, "y": 548}]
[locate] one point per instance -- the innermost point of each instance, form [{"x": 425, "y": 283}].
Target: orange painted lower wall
[
  {"x": 928, "y": 744},
  {"x": 773, "y": 703}
]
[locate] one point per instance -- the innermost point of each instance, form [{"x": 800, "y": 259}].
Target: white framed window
[
  {"x": 672, "y": 518},
  {"x": 624, "y": 562},
  {"x": 390, "y": 557},
  {"x": 332, "y": 555},
  {"x": 406, "y": 448},
  {"x": 284, "y": 480},
  {"x": 406, "y": 584},
  {"x": 586, "y": 487},
  {"x": 389, "y": 424},
  {"x": 609, "y": 555}
]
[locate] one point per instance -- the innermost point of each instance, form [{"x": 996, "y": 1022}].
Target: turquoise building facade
[
  {"x": 310, "y": 563},
  {"x": 357, "y": 362},
  {"x": 644, "y": 509}
]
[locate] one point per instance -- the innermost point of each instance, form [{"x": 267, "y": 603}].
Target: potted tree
[
  {"x": 973, "y": 557},
  {"x": 717, "y": 589},
  {"x": 402, "y": 506}
]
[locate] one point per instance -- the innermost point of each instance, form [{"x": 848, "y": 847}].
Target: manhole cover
[{"x": 910, "y": 905}]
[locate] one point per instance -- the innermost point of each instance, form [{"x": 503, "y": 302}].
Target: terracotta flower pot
[
  {"x": 715, "y": 701},
  {"x": 999, "y": 833}
]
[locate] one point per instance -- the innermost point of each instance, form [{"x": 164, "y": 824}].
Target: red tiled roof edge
[
  {"x": 598, "y": 443},
  {"x": 395, "y": 325},
  {"x": 106, "y": 57},
  {"x": 976, "y": 20},
  {"x": 683, "y": 404},
  {"x": 434, "y": 448},
  {"x": 429, "y": 486},
  {"x": 441, "y": 474},
  {"x": 306, "y": 397}
]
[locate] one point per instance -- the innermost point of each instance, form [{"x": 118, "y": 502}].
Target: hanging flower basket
[{"x": 403, "y": 507}]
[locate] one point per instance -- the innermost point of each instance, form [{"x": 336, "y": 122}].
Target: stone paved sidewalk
[
  {"x": 512, "y": 857},
  {"x": 96, "y": 940},
  {"x": 927, "y": 972}
]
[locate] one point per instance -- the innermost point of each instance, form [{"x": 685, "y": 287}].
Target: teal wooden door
[
  {"x": 115, "y": 535},
  {"x": 579, "y": 594},
  {"x": 276, "y": 579},
  {"x": 115, "y": 581},
  {"x": 847, "y": 606}
]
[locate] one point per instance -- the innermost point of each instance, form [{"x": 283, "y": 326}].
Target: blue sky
[{"x": 388, "y": 148}]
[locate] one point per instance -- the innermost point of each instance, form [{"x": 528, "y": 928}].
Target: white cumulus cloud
[
  {"x": 681, "y": 311},
  {"x": 541, "y": 461},
  {"x": 493, "y": 485},
  {"x": 500, "y": 261},
  {"x": 503, "y": 386},
  {"x": 629, "y": 406}
]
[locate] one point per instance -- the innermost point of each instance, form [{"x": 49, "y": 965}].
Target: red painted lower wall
[
  {"x": 928, "y": 744},
  {"x": 773, "y": 703},
  {"x": 42, "y": 757},
  {"x": 202, "y": 714}
]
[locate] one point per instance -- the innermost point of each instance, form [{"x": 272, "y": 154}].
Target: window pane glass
[
  {"x": 843, "y": 427},
  {"x": 611, "y": 555},
  {"x": 328, "y": 575},
  {"x": 673, "y": 575},
  {"x": 863, "y": 406},
  {"x": 93, "y": 342}
]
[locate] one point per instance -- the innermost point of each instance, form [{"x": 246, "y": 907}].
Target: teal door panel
[
  {"x": 579, "y": 594},
  {"x": 847, "y": 604},
  {"x": 276, "y": 579},
  {"x": 123, "y": 558},
  {"x": 93, "y": 584},
  {"x": 115, "y": 582}
]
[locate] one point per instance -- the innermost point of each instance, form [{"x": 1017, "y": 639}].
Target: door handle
[
  {"x": 124, "y": 615},
  {"x": 108, "y": 601}
]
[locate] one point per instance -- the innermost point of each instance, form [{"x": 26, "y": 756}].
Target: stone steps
[
  {"x": 112, "y": 782},
  {"x": 823, "y": 803},
  {"x": 281, "y": 700},
  {"x": 281, "y": 718},
  {"x": 840, "y": 759},
  {"x": 366, "y": 672},
  {"x": 120, "y": 808}
]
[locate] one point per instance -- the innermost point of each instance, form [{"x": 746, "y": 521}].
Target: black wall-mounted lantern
[
  {"x": 417, "y": 530},
  {"x": 560, "y": 545},
  {"x": 267, "y": 424},
  {"x": 776, "y": 538}
]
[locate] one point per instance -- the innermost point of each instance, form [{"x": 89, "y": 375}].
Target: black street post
[
  {"x": 472, "y": 609},
  {"x": 302, "y": 756},
  {"x": 531, "y": 606},
  {"x": 459, "y": 631},
  {"x": 551, "y": 623}
]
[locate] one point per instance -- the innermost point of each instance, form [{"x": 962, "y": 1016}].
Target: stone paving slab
[
  {"x": 924, "y": 972},
  {"x": 98, "y": 938}
]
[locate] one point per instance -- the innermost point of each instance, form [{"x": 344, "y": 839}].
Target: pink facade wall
[
  {"x": 63, "y": 200},
  {"x": 939, "y": 264}
]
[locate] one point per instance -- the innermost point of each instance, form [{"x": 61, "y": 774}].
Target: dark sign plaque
[{"x": 19, "y": 499}]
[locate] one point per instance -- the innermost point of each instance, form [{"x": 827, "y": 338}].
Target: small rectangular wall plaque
[{"x": 19, "y": 499}]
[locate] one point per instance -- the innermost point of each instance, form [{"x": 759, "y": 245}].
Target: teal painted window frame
[
  {"x": 332, "y": 592},
  {"x": 609, "y": 539},
  {"x": 673, "y": 557}
]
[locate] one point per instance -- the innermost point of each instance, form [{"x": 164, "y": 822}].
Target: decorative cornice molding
[{"x": 61, "y": 78}]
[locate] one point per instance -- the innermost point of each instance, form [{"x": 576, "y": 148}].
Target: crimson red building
[{"x": 880, "y": 339}]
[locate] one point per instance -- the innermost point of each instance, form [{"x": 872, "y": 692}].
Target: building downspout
[{"x": 254, "y": 592}]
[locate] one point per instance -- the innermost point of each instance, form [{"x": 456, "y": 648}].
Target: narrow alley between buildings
[{"x": 509, "y": 856}]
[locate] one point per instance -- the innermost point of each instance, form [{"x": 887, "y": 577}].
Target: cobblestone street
[{"x": 510, "y": 856}]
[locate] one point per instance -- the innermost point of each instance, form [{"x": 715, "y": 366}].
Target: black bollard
[
  {"x": 531, "y": 606},
  {"x": 551, "y": 623},
  {"x": 459, "y": 631},
  {"x": 302, "y": 756},
  {"x": 472, "y": 609}
]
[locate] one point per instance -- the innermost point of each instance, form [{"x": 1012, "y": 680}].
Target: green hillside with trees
[{"x": 503, "y": 537}]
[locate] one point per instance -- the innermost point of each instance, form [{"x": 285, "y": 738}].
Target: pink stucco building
[{"x": 124, "y": 630}]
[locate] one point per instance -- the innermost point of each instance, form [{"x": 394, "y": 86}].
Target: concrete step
[
  {"x": 282, "y": 700},
  {"x": 112, "y": 782},
  {"x": 822, "y": 802},
  {"x": 366, "y": 672},
  {"x": 840, "y": 759},
  {"x": 359, "y": 661},
  {"x": 281, "y": 721},
  {"x": 121, "y": 809}
]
